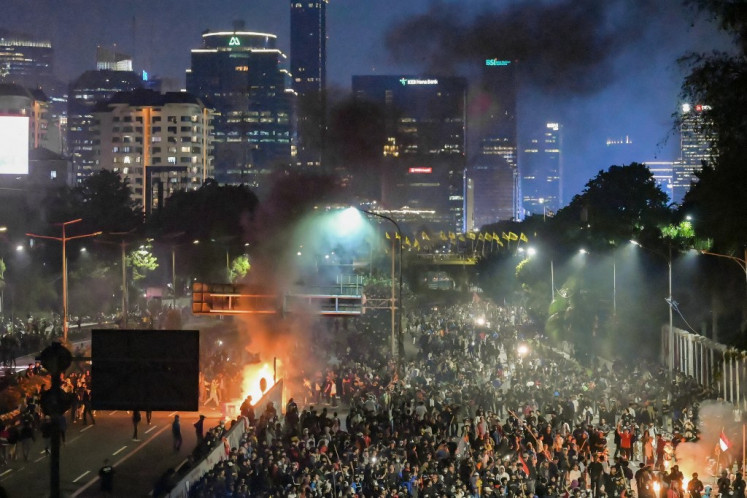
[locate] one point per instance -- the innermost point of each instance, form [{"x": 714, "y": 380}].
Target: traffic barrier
[{"x": 231, "y": 439}]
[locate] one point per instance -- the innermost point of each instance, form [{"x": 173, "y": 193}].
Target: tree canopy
[
  {"x": 210, "y": 212},
  {"x": 717, "y": 81},
  {"x": 619, "y": 204}
]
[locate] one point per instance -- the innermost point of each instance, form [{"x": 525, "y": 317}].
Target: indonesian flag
[
  {"x": 524, "y": 465},
  {"x": 723, "y": 441}
]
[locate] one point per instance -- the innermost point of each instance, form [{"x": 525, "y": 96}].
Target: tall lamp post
[
  {"x": 669, "y": 300},
  {"x": 64, "y": 240},
  {"x": 123, "y": 256},
  {"x": 398, "y": 346},
  {"x": 742, "y": 264}
]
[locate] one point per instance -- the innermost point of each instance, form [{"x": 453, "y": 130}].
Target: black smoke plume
[{"x": 564, "y": 46}]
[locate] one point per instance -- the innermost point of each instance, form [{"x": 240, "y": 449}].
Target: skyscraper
[
  {"x": 696, "y": 147},
  {"x": 492, "y": 109},
  {"x": 662, "y": 172},
  {"x": 541, "y": 171},
  {"x": 29, "y": 62},
  {"x": 238, "y": 73},
  {"x": 492, "y": 164},
  {"x": 91, "y": 88},
  {"x": 160, "y": 142},
  {"x": 424, "y": 151},
  {"x": 26, "y": 61},
  {"x": 494, "y": 190},
  {"x": 109, "y": 58},
  {"x": 309, "y": 72}
]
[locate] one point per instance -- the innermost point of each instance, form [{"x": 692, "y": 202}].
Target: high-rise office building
[
  {"x": 541, "y": 171},
  {"x": 494, "y": 190},
  {"x": 161, "y": 143},
  {"x": 492, "y": 146},
  {"x": 696, "y": 147},
  {"x": 26, "y": 61},
  {"x": 91, "y": 88},
  {"x": 663, "y": 173},
  {"x": 492, "y": 108},
  {"x": 308, "y": 31},
  {"x": 239, "y": 74},
  {"x": 424, "y": 151},
  {"x": 109, "y": 58}
]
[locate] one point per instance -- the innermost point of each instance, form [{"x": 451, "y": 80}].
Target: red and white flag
[
  {"x": 523, "y": 464},
  {"x": 723, "y": 441}
]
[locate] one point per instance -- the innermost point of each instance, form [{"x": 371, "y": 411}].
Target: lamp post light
[
  {"x": 397, "y": 339},
  {"x": 742, "y": 264},
  {"x": 669, "y": 300},
  {"x": 614, "y": 283},
  {"x": 64, "y": 240}
]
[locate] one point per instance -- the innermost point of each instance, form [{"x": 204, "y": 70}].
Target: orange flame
[{"x": 252, "y": 380}]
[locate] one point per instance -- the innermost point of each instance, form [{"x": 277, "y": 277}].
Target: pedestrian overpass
[{"x": 342, "y": 299}]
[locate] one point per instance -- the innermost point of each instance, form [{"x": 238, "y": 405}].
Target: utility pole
[{"x": 64, "y": 240}]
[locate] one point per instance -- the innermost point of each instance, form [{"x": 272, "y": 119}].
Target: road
[{"x": 138, "y": 464}]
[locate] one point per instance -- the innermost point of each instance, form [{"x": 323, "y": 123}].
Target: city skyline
[{"x": 638, "y": 98}]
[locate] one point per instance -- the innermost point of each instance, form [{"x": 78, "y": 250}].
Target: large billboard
[
  {"x": 145, "y": 369},
  {"x": 14, "y": 145}
]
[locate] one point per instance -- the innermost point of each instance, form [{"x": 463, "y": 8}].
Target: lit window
[
  {"x": 172, "y": 160},
  {"x": 127, "y": 160}
]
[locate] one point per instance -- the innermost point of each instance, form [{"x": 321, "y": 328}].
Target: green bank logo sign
[
  {"x": 417, "y": 81},
  {"x": 234, "y": 42}
]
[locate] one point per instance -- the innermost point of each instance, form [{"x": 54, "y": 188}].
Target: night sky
[{"x": 602, "y": 68}]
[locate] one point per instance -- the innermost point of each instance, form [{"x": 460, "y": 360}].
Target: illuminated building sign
[
  {"x": 234, "y": 42},
  {"x": 496, "y": 62},
  {"x": 417, "y": 81},
  {"x": 420, "y": 170},
  {"x": 145, "y": 76}
]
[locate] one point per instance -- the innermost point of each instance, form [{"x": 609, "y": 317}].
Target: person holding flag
[
  {"x": 723, "y": 445},
  {"x": 723, "y": 442}
]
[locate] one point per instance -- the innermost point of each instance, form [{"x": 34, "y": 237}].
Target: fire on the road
[{"x": 257, "y": 380}]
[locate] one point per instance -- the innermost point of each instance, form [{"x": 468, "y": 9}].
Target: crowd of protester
[{"x": 481, "y": 407}]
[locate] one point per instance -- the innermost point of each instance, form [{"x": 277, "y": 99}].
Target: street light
[
  {"x": 614, "y": 280},
  {"x": 531, "y": 251},
  {"x": 64, "y": 240},
  {"x": 397, "y": 339},
  {"x": 669, "y": 301},
  {"x": 741, "y": 262}
]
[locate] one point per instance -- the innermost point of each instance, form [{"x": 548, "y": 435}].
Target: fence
[{"x": 710, "y": 363}]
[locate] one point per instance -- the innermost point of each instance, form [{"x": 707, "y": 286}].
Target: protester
[{"x": 466, "y": 415}]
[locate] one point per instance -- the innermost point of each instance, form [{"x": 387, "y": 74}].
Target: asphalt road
[{"x": 138, "y": 464}]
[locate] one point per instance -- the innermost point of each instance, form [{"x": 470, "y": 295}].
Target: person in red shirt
[{"x": 626, "y": 442}]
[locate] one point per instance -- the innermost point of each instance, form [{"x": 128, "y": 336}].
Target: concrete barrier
[{"x": 232, "y": 440}]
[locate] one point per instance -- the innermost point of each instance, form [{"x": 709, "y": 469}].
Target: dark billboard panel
[{"x": 145, "y": 370}]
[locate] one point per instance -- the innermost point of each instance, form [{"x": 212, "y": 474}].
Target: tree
[
  {"x": 103, "y": 201},
  {"x": 239, "y": 268},
  {"x": 717, "y": 81},
  {"x": 619, "y": 204},
  {"x": 142, "y": 261},
  {"x": 212, "y": 211}
]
